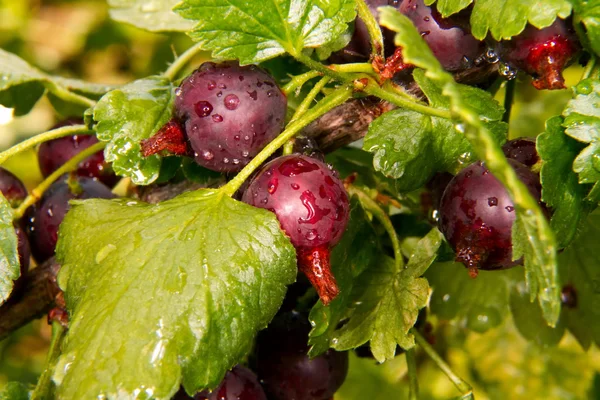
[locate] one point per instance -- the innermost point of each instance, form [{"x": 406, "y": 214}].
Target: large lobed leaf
[
  {"x": 386, "y": 302},
  {"x": 506, "y": 18},
  {"x": 589, "y": 13},
  {"x": 254, "y": 31},
  {"x": 152, "y": 15},
  {"x": 582, "y": 123},
  {"x": 532, "y": 236},
  {"x": 165, "y": 294},
  {"x": 9, "y": 254},
  {"x": 128, "y": 115}
]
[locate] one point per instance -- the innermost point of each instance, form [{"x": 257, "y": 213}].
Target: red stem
[{"x": 314, "y": 263}]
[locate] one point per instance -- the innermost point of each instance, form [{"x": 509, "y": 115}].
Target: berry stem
[
  {"x": 370, "y": 205},
  {"x": 310, "y": 97},
  {"x": 43, "y": 388},
  {"x": 590, "y": 68},
  {"x": 326, "y": 104},
  {"x": 373, "y": 28},
  {"x": 413, "y": 382},
  {"x": 68, "y": 96},
  {"x": 363, "y": 68},
  {"x": 298, "y": 81},
  {"x": 44, "y": 137},
  {"x": 465, "y": 389},
  {"x": 509, "y": 98},
  {"x": 181, "y": 61},
  {"x": 69, "y": 166},
  {"x": 315, "y": 264}
]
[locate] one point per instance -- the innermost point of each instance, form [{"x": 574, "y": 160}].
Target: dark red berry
[
  {"x": 286, "y": 371},
  {"x": 568, "y": 296},
  {"x": 522, "y": 150},
  {"x": 239, "y": 384},
  {"x": 477, "y": 215},
  {"x": 449, "y": 39},
  {"x": 54, "y": 153},
  {"x": 542, "y": 53},
  {"x": 312, "y": 207},
  {"x": 229, "y": 113},
  {"x": 12, "y": 188},
  {"x": 48, "y": 214}
]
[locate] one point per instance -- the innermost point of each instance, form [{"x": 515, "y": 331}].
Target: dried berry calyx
[{"x": 312, "y": 207}]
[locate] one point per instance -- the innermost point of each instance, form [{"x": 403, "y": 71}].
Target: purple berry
[
  {"x": 285, "y": 369},
  {"x": 312, "y": 207},
  {"x": 54, "y": 153},
  {"x": 450, "y": 39},
  {"x": 49, "y": 213},
  {"x": 229, "y": 113},
  {"x": 239, "y": 384},
  {"x": 12, "y": 188},
  {"x": 477, "y": 215},
  {"x": 522, "y": 150},
  {"x": 542, "y": 53}
]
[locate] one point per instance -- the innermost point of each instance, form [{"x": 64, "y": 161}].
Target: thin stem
[
  {"x": 69, "y": 166},
  {"x": 68, "y": 96},
  {"x": 364, "y": 68},
  {"x": 44, "y": 137},
  {"x": 326, "y": 104},
  {"x": 460, "y": 384},
  {"x": 589, "y": 68},
  {"x": 509, "y": 98},
  {"x": 43, "y": 388},
  {"x": 370, "y": 205},
  {"x": 298, "y": 81},
  {"x": 181, "y": 61},
  {"x": 324, "y": 70},
  {"x": 413, "y": 382},
  {"x": 310, "y": 97},
  {"x": 372, "y": 27}
]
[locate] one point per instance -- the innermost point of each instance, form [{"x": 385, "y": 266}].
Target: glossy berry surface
[
  {"x": 311, "y": 205},
  {"x": 229, "y": 113},
  {"x": 449, "y": 39},
  {"x": 522, "y": 150},
  {"x": 12, "y": 188},
  {"x": 56, "y": 152},
  {"x": 477, "y": 215},
  {"x": 48, "y": 214},
  {"x": 286, "y": 371},
  {"x": 542, "y": 53},
  {"x": 239, "y": 384}
]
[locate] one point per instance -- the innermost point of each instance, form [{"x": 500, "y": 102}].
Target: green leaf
[
  {"x": 128, "y": 115},
  {"x": 589, "y": 13},
  {"x": 357, "y": 251},
  {"x": 532, "y": 236},
  {"x": 15, "y": 391},
  {"x": 254, "y": 31},
  {"x": 481, "y": 303},
  {"x": 561, "y": 190},
  {"x": 400, "y": 141},
  {"x": 165, "y": 294},
  {"x": 506, "y": 18},
  {"x": 579, "y": 268},
  {"x": 10, "y": 267},
  {"x": 388, "y": 301},
  {"x": 22, "y": 85},
  {"x": 582, "y": 123},
  {"x": 154, "y": 15}
]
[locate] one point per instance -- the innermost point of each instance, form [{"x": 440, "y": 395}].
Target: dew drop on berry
[
  {"x": 217, "y": 118},
  {"x": 203, "y": 108},
  {"x": 231, "y": 101}
]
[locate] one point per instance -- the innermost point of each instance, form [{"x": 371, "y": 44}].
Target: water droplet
[
  {"x": 272, "y": 185},
  {"x": 509, "y": 208},
  {"x": 508, "y": 72},
  {"x": 226, "y": 160},
  {"x": 492, "y": 201},
  {"x": 219, "y": 94},
  {"x": 270, "y": 93},
  {"x": 222, "y": 86},
  {"x": 212, "y": 85},
  {"x": 231, "y": 101},
  {"x": 203, "y": 108},
  {"x": 491, "y": 56},
  {"x": 335, "y": 341},
  {"x": 245, "y": 153},
  {"x": 178, "y": 92},
  {"x": 246, "y": 137},
  {"x": 235, "y": 161},
  {"x": 311, "y": 234},
  {"x": 253, "y": 95},
  {"x": 460, "y": 127},
  {"x": 295, "y": 186},
  {"x": 50, "y": 212},
  {"x": 207, "y": 155},
  {"x": 217, "y": 118}
]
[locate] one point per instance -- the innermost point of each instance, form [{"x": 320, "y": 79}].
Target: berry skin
[
  {"x": 286, "y": 371},
  {"x": 522, "y": 150},
  {"x": 312, "y": 207},
  {"x": 54, "y": 153},
  {"x": 542, "y": 53},
  {"x": 239, "y": 384},
  {"x": 449, "y": 39},
  {"x": 49, "y": 213},
  {"x": 477, "y": 215},
  {"x": 229, "y": 113},
  {"x": 12, "y": 188}
]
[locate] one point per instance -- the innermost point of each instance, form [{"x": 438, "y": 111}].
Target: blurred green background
[{"x": 78, "y": 39}]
